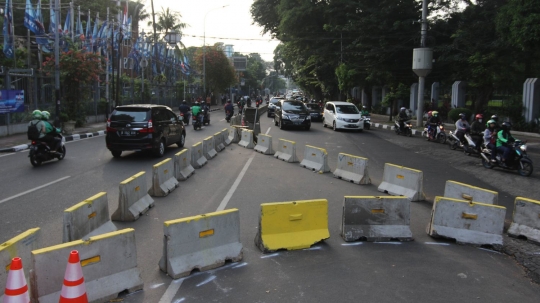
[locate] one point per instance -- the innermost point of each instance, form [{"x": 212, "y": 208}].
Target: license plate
[
  {"x": 352, "y": 125},
  {"x": 128, "y": 133}
]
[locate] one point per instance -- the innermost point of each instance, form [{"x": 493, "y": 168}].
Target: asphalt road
[{"x": 425, "y": 270}]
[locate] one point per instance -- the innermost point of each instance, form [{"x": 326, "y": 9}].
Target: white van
[{"x": 342, "y": 115}]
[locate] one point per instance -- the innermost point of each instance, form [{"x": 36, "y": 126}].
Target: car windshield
[
  {"x": 275, "y": 101},
  {"x": 313, "y": 106},
  {"x": 293, "y": 106},
  {"x": 346, "y": 109},
  {"x": 129, "y": 115}
]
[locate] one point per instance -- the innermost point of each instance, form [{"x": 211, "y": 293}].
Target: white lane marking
[
  {"x": 221, "y": 120},
  {"x": 156, "y": 285},
  {"x": 34, "y": 189},
  {"x": 436, "y": 243},
  {"x": 269, "y": 256},
  {"x": 313, "y": 248},
  {"x": 206, "y": 281},
  {"x": 180, "y": 300},
  {"x": 6, "y": 155},
  {"x": 171, "y": 291},
  {"x": 352, "y": 244},
  {"x": 394, "y": 243},
  {"x": 240, "y": 265},
  {"x": 268, "y": 130},
  {"x": 227, "y": 197},
  {"x": 489, "y": 250}
]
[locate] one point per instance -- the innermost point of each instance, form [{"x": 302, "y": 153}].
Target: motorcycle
[
  {"x": 206, "y": 116},
  {"x": 228, "y": 116},
  {"x": 41, "y": 152},
  {"x": 198, "y": 121},
  {"x": 367, "y": 121},
  {"x": 440, "y": 135},
  {"x": 469, "y": 146},
  {"x": 518, "y": 160},
  {"x": 407, "y": 128},
  {"x": 185, "y": 117}
]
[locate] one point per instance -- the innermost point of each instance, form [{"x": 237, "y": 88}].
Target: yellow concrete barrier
[{"x": 163, "y": 179}]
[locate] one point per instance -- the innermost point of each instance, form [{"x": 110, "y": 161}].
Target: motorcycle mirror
[{"x": 181, "y": 118}]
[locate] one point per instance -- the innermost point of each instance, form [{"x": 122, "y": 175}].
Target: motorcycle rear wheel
[
  {"x": 453, "y": 145},
  {"x": 486, "y": 164},
  {"x": 63, "y": 154},
  {"x": 527, "y": 169},
  {"x": 35, "y": 161}
]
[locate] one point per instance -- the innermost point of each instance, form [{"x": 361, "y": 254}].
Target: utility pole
[
  {"x": 57, "y": 63},
  {"x": 155, "y": 37},
  {"x": 107, "y": 72},
  {"x": 422, "y": 65}
]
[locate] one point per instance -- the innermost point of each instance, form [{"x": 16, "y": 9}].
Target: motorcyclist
[
  {"x": 184, "y": 109},
  {"x": 477, "y": 129},
  {"x": 196, "y": 110},
  {"x": 50, "y": 136},
  {"x": 496, "y": 119},
  {"x": 38, "y": 123},
  {"x": 248, "y": 102},
  {"x": 490, "y": 138},
  {"x": 433, "y": 122},
  {"x": 462, "y": 125},
  {"x": 364, "y": 111},
  {"x": 229, "y": 107},
  {"x": 402, "y": 117},
  {"x": 504, "y": 142}
]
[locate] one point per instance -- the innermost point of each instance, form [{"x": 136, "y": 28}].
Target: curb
[
  {"x": 65, "y": 139},
  {"x": 390, "y": 127}
]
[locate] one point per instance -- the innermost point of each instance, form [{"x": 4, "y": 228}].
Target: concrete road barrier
[
  {"x": 526, "y": 219},
  {"x": 163, "y": 179},
  {"x": 201, "y": 242},
  {"x": 376, "y": 219},
  {"x": 209, "y": 149},
  {"x": 225, "y": 134},
  {"x": 292, "y": 225},
  {"x": 353, "y": 169},
  {"x": 20, "y": 246},
  {"x": 87, "y": 218},
  {"x": 286, "y": 151},
  {"x": 403, "y": 181},
  {"x": 316, "y": 159},
  {"x": 198, "y": 159},
  {"x": 264, "y": 144},
  {"x": 462, "y": 191},
  {"x": 247, "y": 139},
  {"x": 182, "y": 165},
  {"x": 133, "y": 200},
  {"x": 109, "y": 265},
  {"x": 218, "y": 141},
  {"x": 466, "y": 222},
  {"x": 233, "y": 136}
]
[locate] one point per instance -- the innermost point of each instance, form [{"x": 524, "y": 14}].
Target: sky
[{"x": 230, "y": 25}]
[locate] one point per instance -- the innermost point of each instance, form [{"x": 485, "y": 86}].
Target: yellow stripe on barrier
[
  {"x": 528, "y": 200},
  {"x": 132, "y": 178},
  {"x": 206, "y": 233},
  {"x": 469, "y": 216},
  {"x": 199, "y": 217},
  {"x": 321, "y": 149},
  {"x": 208, "y": 138},
  {"x": 161, "y": 163},
  {"x": 471, "y": 203},
  {"x": 178, "y": 154},
  {"x": 470, "y": 186},
  {"x": 352, "y": 156},
  {"x": 86, "y": 202},
  {"x": 197, "y": 144},
  {"x": 6, "y": 245},
  {"x": 403, "y": 167},
  {"x": 90, "y": 261},
  {"x": 292, "y": 142},
  {"x": 81, "y": 242}
]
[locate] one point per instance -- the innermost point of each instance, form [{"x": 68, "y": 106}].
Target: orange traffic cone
[
  {"x": 16, "y": 288},
  {"x": 73, "y": 290}
]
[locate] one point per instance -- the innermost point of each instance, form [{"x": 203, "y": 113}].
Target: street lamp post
[{"x": 204, "y": 47}]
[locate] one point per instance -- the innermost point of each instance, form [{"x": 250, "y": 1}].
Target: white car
[{"x": 342, "y": 115}]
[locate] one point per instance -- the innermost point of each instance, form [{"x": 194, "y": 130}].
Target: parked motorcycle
[
  {"x": 407, "y": 128},
  {"x": 469, "y": 146},
  {"x": 518, "y": 160},
  {"x": 367, "y": 121},
  {"x": 41, "y": 152},
  {"x": 440, "y": 134}
]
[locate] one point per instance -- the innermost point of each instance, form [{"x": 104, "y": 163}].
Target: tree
[
  {"x": 168, "y": 21},
  {"x": 219, "y": 72}
]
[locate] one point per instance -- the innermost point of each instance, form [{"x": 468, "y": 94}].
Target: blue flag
[
  {"x": 8, "y": 33},
  {"x": 29, "y": 16},
  {"x": 67, "y": 24}
]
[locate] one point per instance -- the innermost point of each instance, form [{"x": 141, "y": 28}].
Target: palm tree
[
  {"x": 138, "y": 12},
  {"x": 168, "y": 21}
]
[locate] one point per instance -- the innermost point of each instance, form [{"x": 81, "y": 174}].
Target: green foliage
[{"x": 454, "y": 113}]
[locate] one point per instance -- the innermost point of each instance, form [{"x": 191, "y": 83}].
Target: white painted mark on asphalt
[
  {"x": 210, "y": 279},
  {"x": 436, "y": 243},
  {"x": 221, "y": 120},
  {"x": 240, "y": 265},
  {"x": 313, "y": 248},
  {"x": 33, "y": 189},
  {"x": 268, "y": 130},
  {"x": 229, "y": 194},
  {"x": 6, "y": 155},
  {"x": 156, "y": 285},
  {"x": 180, "y": 300},
  {"x": 352, "y": 244},
  {"x": 489, "y": 250},
  {"x": 171, "y": 291},
  {"x": 394, "y": 243},
  {"x": 269, "y": 256}
]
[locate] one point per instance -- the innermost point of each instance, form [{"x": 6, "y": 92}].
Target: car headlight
[
  {"x": 340, "y": 118},
  {"x": 523, "y": 147}
]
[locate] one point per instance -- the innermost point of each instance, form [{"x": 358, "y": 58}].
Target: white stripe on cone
[
  {"x": 16, "y": 283},
  {"x": 75, "y": 291}
]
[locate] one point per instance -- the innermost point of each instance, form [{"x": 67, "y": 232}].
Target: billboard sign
[
  {"x": 240, "y": 63},
  {"x": 11, "y": 101}
]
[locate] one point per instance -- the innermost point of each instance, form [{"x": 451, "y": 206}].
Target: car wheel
[
  {"x": 323, "y": 123},
  {"x": 334, "y": 126},
  {"x": 275, "y": 122},
  {"x": 182, "y": 140},
  {"x": 116, "y": 153},
  {"x": 281, "y": 126},
  {"x": 160, "y": 150}
]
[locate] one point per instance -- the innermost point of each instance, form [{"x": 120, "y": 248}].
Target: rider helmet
[
  {"x": 429, "y": 114},
  {"x": 184, "y": 102},
  {"x": 435, "y": 113},
  {"x": 462, "y": 116},
  {"x": 495, "y": 118},
  {"x": 45, "y": 115},
  {"x": 506, "y": 126},
  {"x": 402, "y": 109},
  {"x": 490, "y": 122},
  {"x": 36, "y": 114},
  {"x": 479, "y": 116},
  {"x": 364, "y": 107}
]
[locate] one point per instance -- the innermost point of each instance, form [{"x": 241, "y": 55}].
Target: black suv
[
  {"x": 292, "y": 113},
  {"x": 143, "y": 127}
]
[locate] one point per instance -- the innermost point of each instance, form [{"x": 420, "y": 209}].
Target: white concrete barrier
[
  {"x": 233, "y": 136},
  {"x": 20, "y": 246},
  {"x": 286, "y": 151},
  {"x": 209, "y": 149},
  {"x": 353, "y": 169},
  {"x": 87, "y": 219},
  {"x": 376, "y": 219},
  {"x": 403, "y": 181},
  {"x": 264, "y": 144},
  {"x": 225, "y": 134},
  {"x": 316, "y": 159},
  {"x": 462, "y": 191},
  {"x": 526, "y": 219},
  {"x": 198, "y": 159},
  {"x": 218, "y": 141},
  {"x": 133, "y": 199},
  {"x": 182, "y": 165},
  {"x": 466, "y": 222},
  {"x": 247, "y": 139},
  {"x": 163, "y": 179},
  {"x": 109, "y": 266},
  {"x": 201, "y": 242}
]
